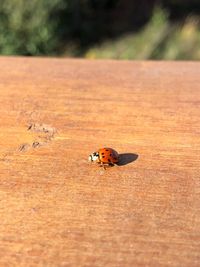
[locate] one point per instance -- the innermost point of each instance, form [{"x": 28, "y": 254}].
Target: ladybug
[{"x": 105, "y": 157}]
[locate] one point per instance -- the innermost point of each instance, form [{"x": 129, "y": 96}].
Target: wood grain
[{"x": 58, "y": 210}]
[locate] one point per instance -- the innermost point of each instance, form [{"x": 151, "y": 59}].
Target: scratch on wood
[
  {"x": 36, "y": 127},
  {"x": 36, "y": 144},
  {"x": 24, "y": 147},
  {"x": 45, "y": 135}
]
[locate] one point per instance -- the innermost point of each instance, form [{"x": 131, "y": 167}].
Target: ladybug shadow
[{"x": 126, "y": 158}]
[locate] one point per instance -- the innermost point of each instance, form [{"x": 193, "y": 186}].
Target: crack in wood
[
  {"x": 24, "y": 147},
  {"x": 46, "y": 134},
  {"x": 44, "y": 128}
]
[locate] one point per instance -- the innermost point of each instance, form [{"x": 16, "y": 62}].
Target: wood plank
[{"x": 59, "y": 210}]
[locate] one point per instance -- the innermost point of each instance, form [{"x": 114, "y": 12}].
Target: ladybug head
[{"x": 94, "y": 156}]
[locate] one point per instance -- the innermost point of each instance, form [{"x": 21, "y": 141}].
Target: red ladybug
[{"x": 105, "y": 157}]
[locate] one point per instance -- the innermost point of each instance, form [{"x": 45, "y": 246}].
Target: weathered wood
[{"x": 57, "y": 209}]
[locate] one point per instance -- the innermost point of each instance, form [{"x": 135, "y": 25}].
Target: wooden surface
[{"x": 57, "y": 209}]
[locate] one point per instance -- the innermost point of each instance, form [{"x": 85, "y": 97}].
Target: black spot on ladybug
[
  {"x": 107, "y": 150},
  {"x": 103, "y": 156},
  {"x": 111, "y": 155},
  {"x": 109, "y": 160},
  {"x": 102, "y": 153}
]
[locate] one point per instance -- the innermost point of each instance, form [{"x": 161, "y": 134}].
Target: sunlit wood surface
[{"x": 58, "y": 210}]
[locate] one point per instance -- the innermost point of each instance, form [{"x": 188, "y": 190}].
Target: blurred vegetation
[
  {"x": 121, "y": 29},
  {"x": 26, "y": 27}
]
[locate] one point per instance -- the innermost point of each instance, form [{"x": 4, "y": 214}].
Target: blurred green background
[{"x": 120, "y": 29}]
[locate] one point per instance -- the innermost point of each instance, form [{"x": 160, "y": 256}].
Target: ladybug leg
[
  {"x": 104, "y": 165},
  {"x": 100, "y": 164}
]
